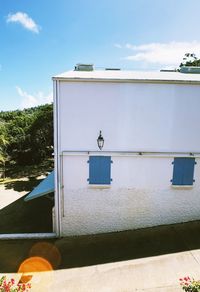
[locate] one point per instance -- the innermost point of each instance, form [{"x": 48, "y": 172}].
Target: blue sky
[{"x": 40, "y": 39}]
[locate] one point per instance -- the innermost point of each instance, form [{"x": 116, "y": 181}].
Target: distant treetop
[{"x": 190, "y": 59}]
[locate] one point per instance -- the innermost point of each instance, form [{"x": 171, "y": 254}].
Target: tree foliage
[
  {"x": 190, "y": 59},
  {"x": 41, "y": 134},
  {"x": 26, "y": 136},
  {"x": 3, "y": 142}
]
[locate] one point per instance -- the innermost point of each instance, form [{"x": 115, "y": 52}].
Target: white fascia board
[{"x": 129, "y": 77}]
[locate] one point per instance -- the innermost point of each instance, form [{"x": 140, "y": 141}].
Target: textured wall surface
[
  {"x": 126, "y": 203},
  {"x": 95, "y": 211}
]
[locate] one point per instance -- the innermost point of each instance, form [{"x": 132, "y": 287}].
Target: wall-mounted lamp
[{"x": 100, "y": 141}]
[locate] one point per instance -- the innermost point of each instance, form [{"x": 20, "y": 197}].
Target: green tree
[
  {"x": 27, "y": 135},
  {"x": 41, "y": 134},
  {"x": 3, "y": 142},
  {"x": 18, "y": 128},
  {"x": 190, "y": 59},
  {"x": 3, "y": 147}
]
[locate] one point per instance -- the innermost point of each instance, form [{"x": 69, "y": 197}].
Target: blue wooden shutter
[
  {"x": 99, "y": 170},
  {"x": 183, "y": 172}
]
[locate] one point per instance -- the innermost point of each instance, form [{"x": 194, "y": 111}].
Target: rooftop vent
[
  {"x": 84, "y": 67},
  {"x": 191, "y": 70},
  {"x": 112, "y": 69}
]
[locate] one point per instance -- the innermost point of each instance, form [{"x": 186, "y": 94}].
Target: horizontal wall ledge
[{"x": 130, "y": 153}]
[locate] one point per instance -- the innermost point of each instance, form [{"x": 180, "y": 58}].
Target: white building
[{"x": 148, "y": 171}]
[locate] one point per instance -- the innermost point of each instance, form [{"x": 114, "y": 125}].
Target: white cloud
[
  {"x": 167, "y": 54},
  {"x": 26, "y": 21},
  {"x": 118, "y": 46},
  {"x": 30, "y": 100}
]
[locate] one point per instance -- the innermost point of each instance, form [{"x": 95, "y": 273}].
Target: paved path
[
  {"x": 149, "y": 260},
  {"x": 158, "y": 274},
  {"x": 8, "y": 196}
]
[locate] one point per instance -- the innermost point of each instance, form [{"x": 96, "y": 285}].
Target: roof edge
[{"x": 117, "y": 80}]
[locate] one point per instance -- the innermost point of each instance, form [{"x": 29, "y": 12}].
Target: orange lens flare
[
  {"x": 25, "y": 278},
  {"x": 47, "y": 251},
  {"x": 35, "y": 264},
  {"x": 43, "y": 256}
]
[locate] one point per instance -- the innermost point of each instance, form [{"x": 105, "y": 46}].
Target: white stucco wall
[
  {"x": 140, "y": 195},
  {"x": 143, "y": 117},
  {"x": 152, "y": 117}
]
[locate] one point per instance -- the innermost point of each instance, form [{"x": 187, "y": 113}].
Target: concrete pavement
[
  {"x": 156, "y": 274},
  {"x": 9, "y": 196},
  {"x": 148, "y": 260}
]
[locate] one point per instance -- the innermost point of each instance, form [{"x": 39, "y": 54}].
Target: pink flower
[{"x": 12, "y": 281}]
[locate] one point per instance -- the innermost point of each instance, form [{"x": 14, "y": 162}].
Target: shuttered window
[
  {"x": 100, "y": 170},
  {"x": 183, "y": 172}
]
